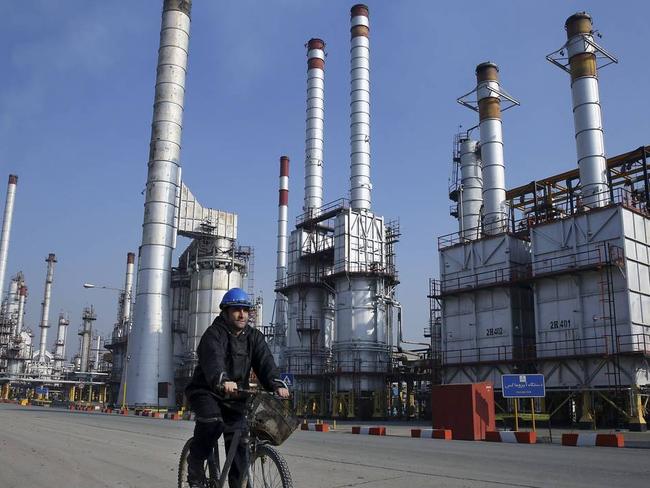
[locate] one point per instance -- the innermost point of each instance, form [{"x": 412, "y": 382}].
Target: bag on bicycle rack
[{"x": 271, "y": 420}]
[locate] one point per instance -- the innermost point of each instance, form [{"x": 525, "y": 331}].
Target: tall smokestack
[
  {"x": 151, "y": 337},
  {"x": 281, "y": 264},
  {"x": 59, "y": 350},
  {"x": 45, "y": 311},
  {"x": 587, "y": 117},
  {"x": 128, "y": 290},
  {"x": 471, "y": 181},
  {"x": 314, "y": 123},
  {"x": 360, "y": 185},
  {"x": 22, "y": 296},
  {"x": 495, "y": 218},
  {"x": 6, "y": 230}
]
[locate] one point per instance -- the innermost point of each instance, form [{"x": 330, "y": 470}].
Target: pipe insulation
[
  {"x": 6, "y": 229},
  {"x": 45, "y": 306},
  {"x": 314, "y": 126},
  {"x": 587, "y": 115},
  {"x": 150, "y": 341},
  {"x": 495, "y": 217},
  {"x": 360, "y": 185}
]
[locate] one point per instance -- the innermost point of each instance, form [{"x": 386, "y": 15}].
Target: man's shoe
[{"x": 196, "y": 473}]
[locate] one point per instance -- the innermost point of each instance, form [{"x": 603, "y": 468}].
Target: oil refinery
[{"x": 550, "y": 277}]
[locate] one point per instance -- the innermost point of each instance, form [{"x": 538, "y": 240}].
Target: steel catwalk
[
  {"x": 150, "y": 340},
  {"x": 360, "y": 185},
  {"x": 45, "y": 309},
  {"x": 6, "y": 229},
  {"x": 471, "y": 198},
  {"x": 314, "y": 126}
]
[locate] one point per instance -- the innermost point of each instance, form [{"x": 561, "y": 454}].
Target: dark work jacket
[{"x": 224, "y": 356}]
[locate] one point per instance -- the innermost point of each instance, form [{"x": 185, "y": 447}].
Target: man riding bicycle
[{"x": 228, "y": 350}]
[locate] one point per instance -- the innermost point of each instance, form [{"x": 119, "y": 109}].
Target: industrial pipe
[
  {"x": 151, "y": 337},
  {"x": 360, "y": 185},
  {"x": 314, "y": 126},
  {"x": 45, "y": 310},
  {"x": 6, "y": 229}
]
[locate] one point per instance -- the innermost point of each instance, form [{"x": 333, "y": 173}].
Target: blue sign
[
  {"x": 523, "y": 386},
  {"x": 287, "y": 378},
  {"x": 41, "y": 390}
]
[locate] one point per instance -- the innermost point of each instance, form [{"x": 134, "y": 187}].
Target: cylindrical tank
[
  {"x": 150, "y": 341},
  {"x": 213, "y": 271},
  {"x": 6, "y": 229},
  {"x": 360, "y": 185},
  {"x": 59, "y": 351},
  {"x": 21, "y": 310},
  {"x": 471, "y": 198},
  {"x": 88, "y": 317}
]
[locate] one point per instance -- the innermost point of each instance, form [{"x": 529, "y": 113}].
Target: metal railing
[
  {"x": 591, "y": 346},
  {"x": 341, "y": 203}
]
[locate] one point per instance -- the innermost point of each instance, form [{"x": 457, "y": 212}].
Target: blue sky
[{"x": 75, "y": 113}]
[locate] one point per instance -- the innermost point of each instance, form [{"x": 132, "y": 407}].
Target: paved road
[{"x": 52, "y": 448}]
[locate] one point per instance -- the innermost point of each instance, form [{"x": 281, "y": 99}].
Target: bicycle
[{"x": 268, "y": 423}]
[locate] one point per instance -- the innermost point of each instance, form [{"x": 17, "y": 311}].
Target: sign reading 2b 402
[{"x": 523, "y": 386}]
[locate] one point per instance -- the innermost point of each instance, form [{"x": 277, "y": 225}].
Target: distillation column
[
  {"x": 471, "y": 181},
  {"x": 59, "y": 348},
  {"x": 45, "y": 310},
  {"x": 86, "y": 331},
  {"x": 22, "y": 296},
  {"x": 6, "y": 229},
  {"x": 150, "y": 340}
]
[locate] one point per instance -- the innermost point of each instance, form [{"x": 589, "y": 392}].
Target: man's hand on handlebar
[
  {"x": 229, "y": 387},
  {"x": 282, "y": 392}
]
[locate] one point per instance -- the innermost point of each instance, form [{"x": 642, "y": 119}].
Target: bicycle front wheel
[{"x": 268, "y": 469}]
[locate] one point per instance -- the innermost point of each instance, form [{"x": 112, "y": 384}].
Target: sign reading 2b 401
[{"x": 523, "y": 386}]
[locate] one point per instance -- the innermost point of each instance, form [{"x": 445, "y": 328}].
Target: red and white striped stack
[{"x": 369, "y": 430}]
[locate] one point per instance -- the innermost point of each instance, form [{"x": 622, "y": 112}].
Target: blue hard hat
[{"x": 235, "y": 297}]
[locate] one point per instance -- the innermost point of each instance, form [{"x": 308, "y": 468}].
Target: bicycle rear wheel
[
  {"x": 268, "y": 469},
  {"x": 212, "y": 471}
]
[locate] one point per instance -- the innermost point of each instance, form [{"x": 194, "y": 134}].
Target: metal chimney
[
  {"x": 281, "y": 265},
  {"x": 151, "y": 338},
  {"x": 128, "y": 291},
  {"x": 495, "y": 216},
  {"x": 6, "y": 230},
  {"x": 360, "y": 185},
  {"x": 45, "y": 311},
  {"x": 470, "y": 196},
  {"x": 583, "y": 55},
  {"x": 22, "y": 296},
  {"x": 314, "y": 123}
]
